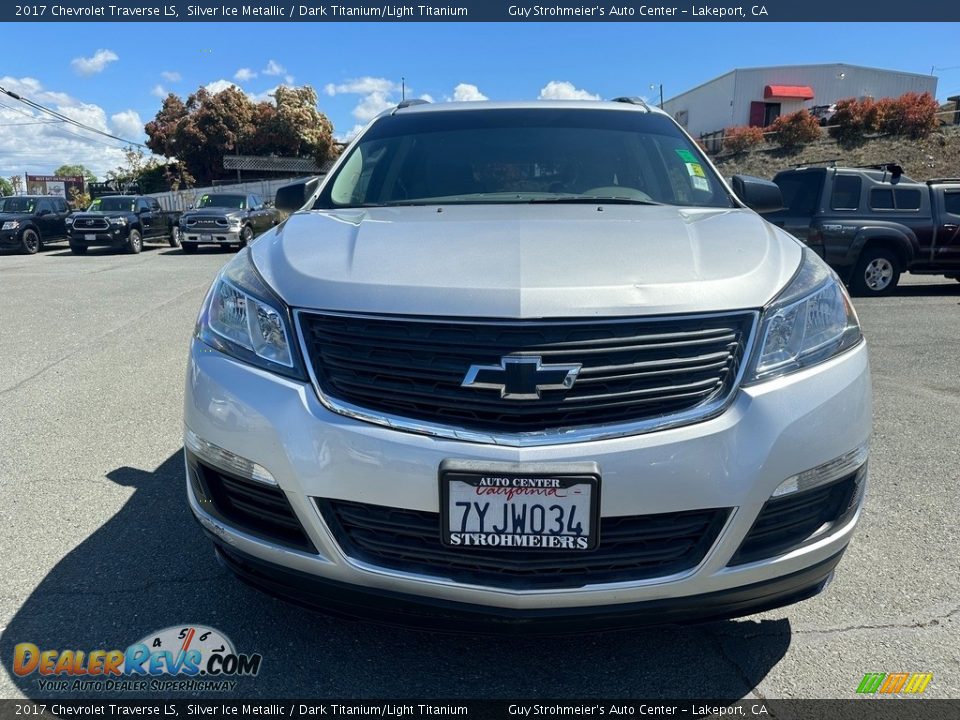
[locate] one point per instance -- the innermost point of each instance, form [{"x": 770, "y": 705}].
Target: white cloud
[
  {"x": 244, "y": 75},
  {"x": 427, "y": 97},
  {"x": 350, "y": 134},
  {"x": 361, "y": 86},
  {"x": 466, "y": 92},
  {"x": 128, "y": 124},
  {"x": 288, "y": 79},
  {"x": 170, "y": 76},
  {"x": 159, "y": 91},
  {"x": 219, "y": 86},
  {"x": 95, "y": 64},
  {"x": 563, "y": 90},
  {"x": 274, "y": 68},
  {"x": 42, "y": 147},
  {"x": 265, "y": 96}
]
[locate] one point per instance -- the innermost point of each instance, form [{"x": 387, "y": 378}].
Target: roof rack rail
[
  {"x": 937, "y": 181},
  {"x": 888, "y": 166},
  {"x": 412, "y": 101},
  {"x": 632, "y": 100}
]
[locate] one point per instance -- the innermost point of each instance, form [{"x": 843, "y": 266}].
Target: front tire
[
  {"x": 30, "y": 242},
  {"x": 188, "y": 247},
  {"x": 246, "y": 236},
  {"x": 174, "y": 237},
  {"x": 876, "y": 273},
  {"x": 134, "y": 242},
  {"x": 78, "y": 249}
]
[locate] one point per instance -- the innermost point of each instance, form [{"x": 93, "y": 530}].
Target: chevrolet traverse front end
[{"x": 528, "y": 362}]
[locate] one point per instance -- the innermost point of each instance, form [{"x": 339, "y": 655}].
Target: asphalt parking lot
[{"x": 97, "y": 546}]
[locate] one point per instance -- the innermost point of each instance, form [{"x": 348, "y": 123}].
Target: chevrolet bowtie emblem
[{"x": 521, "y": 377}]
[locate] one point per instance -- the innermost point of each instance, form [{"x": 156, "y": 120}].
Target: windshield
[
  {"x": 19, "y": 205},
  {"x": 108, "y": 204},
  {"x": 524, "y": 155},
  {"x": 236, "y": 202}
]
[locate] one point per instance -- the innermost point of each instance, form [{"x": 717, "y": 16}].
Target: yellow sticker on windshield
[{"x": 695, "y": 170}]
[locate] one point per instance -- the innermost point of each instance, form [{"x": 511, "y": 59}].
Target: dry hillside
[{"x": 936, "y": 156}]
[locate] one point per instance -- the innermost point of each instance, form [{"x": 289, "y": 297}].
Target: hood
[
  {"x": 527, "y": 261},
  {"x": 6, "y": 216},
  {"x": 101, "y": 213}
]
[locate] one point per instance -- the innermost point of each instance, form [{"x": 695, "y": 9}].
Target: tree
[
  {"x": 68, "y": 170},
  {"x": 6, "y": 187},
  {"x": 200, "y": 131},
  {"x": 794, "y": 130}
]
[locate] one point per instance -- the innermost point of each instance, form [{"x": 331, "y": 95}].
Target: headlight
[
  {"x": 118, "y": 221},
  {"x": 11, "y": 225},
  {"x": 809, "y": 322},
  {"x": 244, "y": 318},
  {"x": 68, "y": 221}
]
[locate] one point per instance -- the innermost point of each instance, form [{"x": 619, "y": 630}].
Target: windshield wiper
[{"x": 593, "y": 200}]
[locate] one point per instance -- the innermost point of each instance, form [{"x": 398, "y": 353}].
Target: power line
[
  {"x": 59, "y": 128},
  {"x": 67, "y": 119}
]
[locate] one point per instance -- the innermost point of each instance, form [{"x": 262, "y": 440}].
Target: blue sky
[{"x": 110, "y": 75}]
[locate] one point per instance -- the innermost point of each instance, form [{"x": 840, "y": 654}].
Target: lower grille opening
[
  {"x": 786, "y": 523},
  {"x": 631, "y": 548},
  {"x": 250, "y": 506}
]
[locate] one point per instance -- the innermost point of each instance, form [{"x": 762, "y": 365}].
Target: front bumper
[
  {"x": 114, "y": 237},
  {"x": 215, "y": 237},
  {"x": 736, "y": 460},
  {"x": 9, "y": 238}
]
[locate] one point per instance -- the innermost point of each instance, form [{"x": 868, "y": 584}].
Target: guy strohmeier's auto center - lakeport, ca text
[{"x": 294, "y": 11}]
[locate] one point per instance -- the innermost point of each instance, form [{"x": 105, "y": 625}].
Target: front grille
[
  {"x": 631, "y": 548},
  {"x": 635, "y": 369},
  {"x": 91, "y": 224},
  {"x": 787, "y": 522},
  {"x": 206, "y": 222},
  {"x": 253, "y": 507}
]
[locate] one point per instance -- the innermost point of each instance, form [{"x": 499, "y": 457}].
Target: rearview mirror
[
  {"x": 759, "y": 195},
  {"x": 294, "y": 196}
]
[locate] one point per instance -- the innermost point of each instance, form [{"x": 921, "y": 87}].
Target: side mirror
[
  {"x": 41, "y": 213},
  {"x": 762, "y": 196},
  {"x": 294, "y": 196}
]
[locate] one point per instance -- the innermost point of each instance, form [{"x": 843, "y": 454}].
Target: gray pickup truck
[
  {"x": 226, "y": 219},
  {"x": 873, "y": 223},
  {"x": 123, "y": 222}
]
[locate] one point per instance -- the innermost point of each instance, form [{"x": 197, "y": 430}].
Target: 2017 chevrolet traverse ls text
[{"x": 528, "y": 362}]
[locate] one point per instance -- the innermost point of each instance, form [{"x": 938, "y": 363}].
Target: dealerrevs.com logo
[{"x": 178, "y": 658}]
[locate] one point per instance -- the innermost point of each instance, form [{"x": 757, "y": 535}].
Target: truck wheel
[
  {"x": 134, "y": 242},
  {"x": 78, "y": 249},
  {"x": 174, "y": 237},
  {"x": 188, "y": 247},
  {"x": 30, "y": 242},
  {"x": 876, "y": 273},
  {"x": 246, "y": 235}
]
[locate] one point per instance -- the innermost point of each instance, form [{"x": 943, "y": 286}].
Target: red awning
[{"x": 788, "y": 92}]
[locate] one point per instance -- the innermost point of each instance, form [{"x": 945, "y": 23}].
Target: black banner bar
[
  {"x": 639, "y": 11},
  {"x": 872, "y": 708}
]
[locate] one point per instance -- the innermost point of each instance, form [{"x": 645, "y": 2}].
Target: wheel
[
  {"x": 134, "y": 242},
  {"x": 876, "y": 273},
  {"x": 174, "y": 237},
  {"x": 246, "y": 236},
  {"x": 78, "y": 249},
  {"x": 188, "y": 247},
  {"x": 30, "y": 241}
]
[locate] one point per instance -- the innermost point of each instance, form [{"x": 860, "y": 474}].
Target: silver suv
[{"x": 528, "y": 363}]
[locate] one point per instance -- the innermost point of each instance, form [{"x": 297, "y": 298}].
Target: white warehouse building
[{"x": 757, "y": 96}]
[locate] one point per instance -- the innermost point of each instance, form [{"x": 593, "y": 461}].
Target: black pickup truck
[
  {"x": 29, "y": 221},
  {"x": 123, "y": 222},
  {"x": 226, "y": 219},
  {"x": 873, "y": 223}
]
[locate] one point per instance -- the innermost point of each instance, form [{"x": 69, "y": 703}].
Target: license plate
[
  {"x": 516, "y": 511},
  {"x": 89, "y": 236}
]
